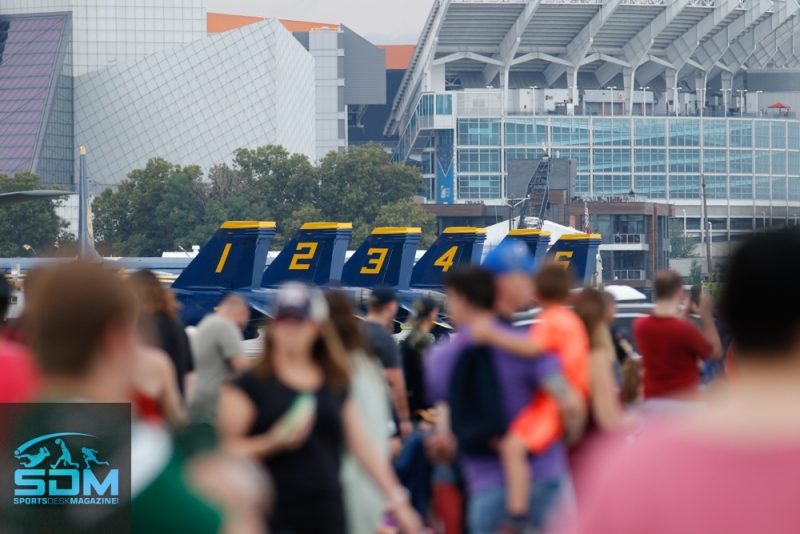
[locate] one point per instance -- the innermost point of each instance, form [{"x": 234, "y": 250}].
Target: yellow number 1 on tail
[{"x": 447, "y": 259}]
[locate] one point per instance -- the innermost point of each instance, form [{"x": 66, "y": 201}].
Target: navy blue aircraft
[{"x": 575, "y": 252}]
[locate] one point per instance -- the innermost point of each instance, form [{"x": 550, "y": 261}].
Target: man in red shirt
[
  {"x": 19, "y": 375},
  {"x": 735, "y": 465},
  {"x": 670, "y": 345}
]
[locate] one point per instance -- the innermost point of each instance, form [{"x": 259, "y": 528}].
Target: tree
[
  {"x": 695, "y": 273},
  {"x": 33, "y": 223},
  {"x": 407, "y": 213},
  {"x": 681, "y": 245}
]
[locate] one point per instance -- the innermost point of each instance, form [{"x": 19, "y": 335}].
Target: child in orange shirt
[{"x": 560, "y": 332}]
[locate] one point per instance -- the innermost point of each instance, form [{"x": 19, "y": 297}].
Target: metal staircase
[{"x": 538, "y": 191}]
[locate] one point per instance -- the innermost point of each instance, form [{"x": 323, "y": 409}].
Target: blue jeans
[
  {"x": 487, "y": 509},
  {"x": 414, "y": 471}
]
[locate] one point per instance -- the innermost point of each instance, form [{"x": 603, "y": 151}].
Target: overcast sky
[{"x": 380, "y": 21}]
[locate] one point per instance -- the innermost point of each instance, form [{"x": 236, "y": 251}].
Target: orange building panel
[
  {"x": 220, "y": 22},
  {"x": 304, "y": 26},
  {"x": 398, "y": 57}
]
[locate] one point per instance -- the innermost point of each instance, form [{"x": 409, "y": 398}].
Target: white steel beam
[
  {"x": 768, "y": 46},
  {"x": 580, "y": 45},
  {"x": 510, "y": 43},
  {"x": 540, "y": 55}
]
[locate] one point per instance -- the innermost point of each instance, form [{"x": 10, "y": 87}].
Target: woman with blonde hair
[{"x": 293, "y": 411}]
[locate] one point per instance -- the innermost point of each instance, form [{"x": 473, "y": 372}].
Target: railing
[
  {"x": 615, "y": 199},
  {"x": 629, "y": 239},
  {"x": 630, "y": 275},
  {"x": 637, "y": 113}
]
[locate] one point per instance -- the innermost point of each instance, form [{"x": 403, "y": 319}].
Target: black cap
[
  {"x": 424, "y": 306},
  {"x": 382, "y": 295}
]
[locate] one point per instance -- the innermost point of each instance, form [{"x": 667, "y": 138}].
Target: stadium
[{"x": 646, "y": 96}]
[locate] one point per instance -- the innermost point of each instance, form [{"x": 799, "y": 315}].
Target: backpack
[{"x": 476, "y": 416}]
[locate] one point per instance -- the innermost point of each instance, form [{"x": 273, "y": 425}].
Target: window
[
  {"x": 793, "y": 134},
  {"x": 580, "y": 155},
  {"x": 741, "y": 187},
  {"x": 716, "y": 186},
  {"x": 778, "y": 134},
  {"x": 794, "y": 187},
  {"x": 427, "y": 163},
  {"x": 793, "y": 165},
  {"x": 522, "y": 132},
  {"x": 609, "y": 185},
  {"x": 612, "y": 160},
  {"x": 741, "y": 161},
  {"x": 478, "y": 132},
  {"x": 714, "y": 161},
  {"x": 649, "y": 160},
  {"x": 523, "y": 153},
  {"x": 684, "y": 132},
  {"x": 714, "y": 132},
  {"x": 762, "y": 134},
  {"x": 430, "y": 188},
  {"x": 741, "y": 133},
  {"x": 582, "y": 185},
  {"x": 762, "y": 187},
  {"x": 612, "y": 132},
  {"x": 684, "y": 160},
  {"x": 478, "y": 186},
  {"x": 649, "y": 132},
  {"x": 762, "y": 161},
  {"x": 478, "y": 160},
  {"x": 684, "y": 186},
  {"x": 425, "y": 107},
  {"x": 778, "y": 162},
  {"x": 444, "y": 104},
  {"x": 778, "y": 188},
  {"x": 567, "y": 132},
  {"x": 651, "y": 185},
  {"x": 741, "y": 223}
]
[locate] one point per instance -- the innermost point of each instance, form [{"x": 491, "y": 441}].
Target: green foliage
[
  {"x": 164, "y": 206},
  {"x": 33, "y": 223},
  {"x": 695, "y": 273},
  {"x": 681, "y": 245}
]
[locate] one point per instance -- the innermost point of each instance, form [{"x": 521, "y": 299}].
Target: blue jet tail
[
  {"x": 454, "y": 247},
  {"x": 315, "y": 255},
  {"x": 386, "y": 257},
  {"x": 578, "y": 254},
  {"x": 536, "y": 240}
]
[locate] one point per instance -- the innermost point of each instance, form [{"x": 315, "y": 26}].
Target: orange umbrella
[{"x": 778, "y": 105}]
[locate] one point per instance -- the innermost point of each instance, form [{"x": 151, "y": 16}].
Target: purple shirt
[{"x": 519, "y": 378}]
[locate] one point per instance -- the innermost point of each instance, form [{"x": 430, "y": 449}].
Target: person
[
  {"x": 364, "y": 505},
  {"x": 219, "y": 354},
  {"x": 561, "y": 332},
  {"x": 160, "y": 304},
  {"x": 671, "y": 345},
  {"x": 293, "y": 412},
  {"x": 377, "y": 327},
  {"x": 424, "y": 313},
  {"x": 605, "y": 413},
  {"x": 156, "y": 391},
  {"x": 19, "y": 376},
  {"x": 731, "y": 467},
  {"x": 471, "y": 294},
  {"x": 83, "y": 333}
]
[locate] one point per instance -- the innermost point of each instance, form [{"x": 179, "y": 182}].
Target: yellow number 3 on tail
[{"x": 447, "y": 259}]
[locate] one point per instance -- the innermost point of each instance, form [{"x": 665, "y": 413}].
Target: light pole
[
  {"x": 684, "y": 222},
  {"x": 612, "y": 88},
  {"x": 758, "y": 103},
  {"x": 741, "y": 101},
  {"x": 30, "y": 249},
  {"x": 533, "y": 90},
  {"x": 644, "y": 100},
  {"x": 764, "y": 220}
]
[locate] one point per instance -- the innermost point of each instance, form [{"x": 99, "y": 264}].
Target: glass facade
[{"x": 36, "y": 94}]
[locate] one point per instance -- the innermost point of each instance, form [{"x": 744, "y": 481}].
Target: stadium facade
[{"x": 648, "y": 97}]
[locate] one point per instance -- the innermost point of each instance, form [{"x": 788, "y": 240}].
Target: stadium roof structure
[{"x": 586, "y": 44}]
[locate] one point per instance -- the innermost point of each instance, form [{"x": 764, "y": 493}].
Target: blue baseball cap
[{"x": 508, "y": 257}]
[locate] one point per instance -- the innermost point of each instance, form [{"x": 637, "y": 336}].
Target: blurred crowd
[{"x": 687, "y": 422}]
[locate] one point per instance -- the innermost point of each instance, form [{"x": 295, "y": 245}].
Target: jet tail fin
[
  {"x": 536, "y": 240},
  {"x": 578, "y": 254},
  {"x": 315, "y": 255},
  {"x": 454, "y": 247},
  {"x": 386, "y": 257},
  {"x": 234, "y": 258}
]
